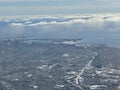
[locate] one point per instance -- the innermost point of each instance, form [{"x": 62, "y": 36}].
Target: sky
[{"x": 52, "y": 7}]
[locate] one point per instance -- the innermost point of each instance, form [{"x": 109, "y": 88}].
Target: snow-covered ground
[
  {"x": 96, "y": 87},
  {"x": 79, "y": 79}
]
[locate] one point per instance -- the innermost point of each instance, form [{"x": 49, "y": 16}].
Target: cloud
[
  {"x": 66, "y": 26},
  {"x": 48, "y": 20}
]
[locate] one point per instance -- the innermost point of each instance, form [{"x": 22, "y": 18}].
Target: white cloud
[{"x": 87, "y": 19}]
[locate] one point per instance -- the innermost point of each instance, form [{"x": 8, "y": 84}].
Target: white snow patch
[
  {"x": 94, "y": 87},
  {"x": 42, "y": 66},
  {"x": 98, "y": 72},
  {"x": 59, "y": 86},
  {"x": 16, "y": 79},
  {"x": 30, "y": 75},
  {"x": 72, "y": 72},
  {"x": 110, "y": 71},
  {"x": 26, "y": 72},
  {"x": 8, "y": 43},
  {"x": 119, "y": 87},
  {"x": 71, "y": 42},
  {"x": 35, "y": 86},
  {"x": 65, "y": 55}
]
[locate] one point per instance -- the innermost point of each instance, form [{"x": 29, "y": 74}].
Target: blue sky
[{"x": 49, "y": 7}]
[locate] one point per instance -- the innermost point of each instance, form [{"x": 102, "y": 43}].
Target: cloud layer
[
  {"x": 93, "y": 26},
  {"x": 62, "y": 20}
]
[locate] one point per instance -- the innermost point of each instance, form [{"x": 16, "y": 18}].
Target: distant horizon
[{"x": 77, "y": 14}]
